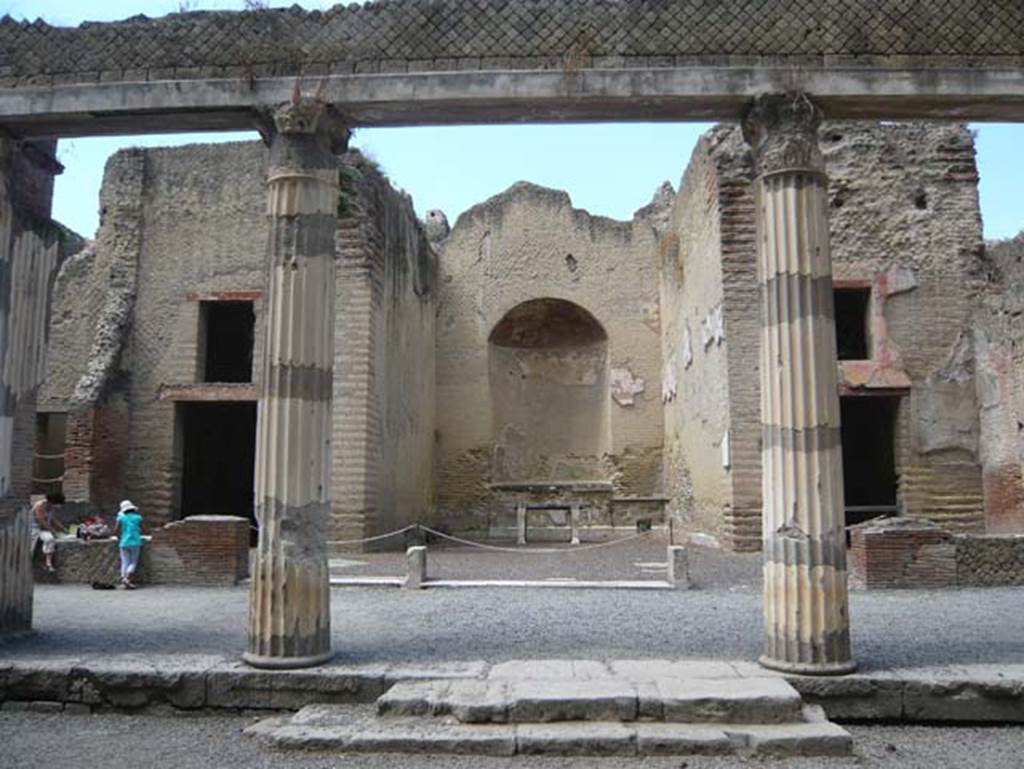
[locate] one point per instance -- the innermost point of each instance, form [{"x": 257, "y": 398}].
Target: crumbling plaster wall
[
  {"x": 999, "y": 358},
  {"x": 904, "y": 214},
  {"x": 529, "y": 243}
]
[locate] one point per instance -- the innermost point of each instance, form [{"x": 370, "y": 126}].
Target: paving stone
[
  {"x": 77, "y": 709},
  {"x": 681, "y": 740},
  {"x": 994, "y": 700},
  {"x": 474, "y": 702},
  {"x": 16, "y": 706},
  {"x": 587, "y": 700},
  {"x": 434, "y": 671},
  {"x": 781, "y": 740},
  {"x": 433, "y": 736},
  {"x": 45, "y": 706},
  {"x": 654, "y": 670},
  {"x": 749, "y": 700},
  {"x": 235, "y": 685},
  {"x": 852, "y": 697},
  {"x": 576, "y": 739},
  {"x": 519, "y": 670},
  {"x": 415, "y": 698}
]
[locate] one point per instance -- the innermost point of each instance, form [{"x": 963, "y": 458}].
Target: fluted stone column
[
  {"x": 289, "y": 601},
  {"x": 805, "y": 601}
]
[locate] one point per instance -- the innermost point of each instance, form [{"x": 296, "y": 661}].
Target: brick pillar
[
  {"x": 805, "y": 602},
  {"x": 289, "y": 600}
]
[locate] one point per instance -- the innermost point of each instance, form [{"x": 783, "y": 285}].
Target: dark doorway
[
  {"x": 218, "y": 455},
  {"x": 869, "y": 456},
  {"x": 852, "y": 322},
  {"x": 227, "y": 335}
]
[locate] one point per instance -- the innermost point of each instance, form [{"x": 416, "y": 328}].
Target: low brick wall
[
  {"x": 200, "y": 550},
  {"x": 912, "y": 553}
]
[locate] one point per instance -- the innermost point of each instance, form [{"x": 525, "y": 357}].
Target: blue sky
[{"x": 608, "y": 169}]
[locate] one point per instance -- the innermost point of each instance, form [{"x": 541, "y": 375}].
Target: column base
[
  {"x": 809, "y": 668},
  {"x": 286, "y": 663}
]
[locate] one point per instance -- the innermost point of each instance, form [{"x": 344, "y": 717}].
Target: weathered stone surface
[
  {"x": 729, "y": 701},
  {"x": 576, "y": 739},
  {"x": 853, "y": 697},
  {"x": 992, "y": 700},
  {"x": 814, "y": 739},
  {"x": 589, "y": 700},
  {"x": 675, "y": 740},
  {"x": 232, "y": 685}
]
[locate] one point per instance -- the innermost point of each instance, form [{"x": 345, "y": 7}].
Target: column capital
[
  {"x": 308, "y": 118},
  {"x": 782, "y": 131}
]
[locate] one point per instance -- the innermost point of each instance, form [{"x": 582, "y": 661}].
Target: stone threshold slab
[
  {"x": 966, "y": 693},
  {"x": 325, "y": 727}
]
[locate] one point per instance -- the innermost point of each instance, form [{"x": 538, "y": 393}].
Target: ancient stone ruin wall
[
  {"x": 694, "y": 349},
  {"x": 183, "y": 225},
  {"x": 527, "y": 244},
  {"x": 412, "y": 35},
  {"x": 384, "y": 361},
  {"x": 904, "y": 215},
  {"x": 999, "y": 351},
  {"x": 905, "y": 223}
]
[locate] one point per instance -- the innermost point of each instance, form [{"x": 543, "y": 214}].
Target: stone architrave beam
[
  {"x": 512, "y": 96},
  {"x": 806, "y": 611},
  {"x": 289, "y": 606}
]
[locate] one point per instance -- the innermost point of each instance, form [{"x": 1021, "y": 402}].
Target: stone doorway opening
[
  {"x": 869, "y": 456},
  {"x": 218, "y": 454},
  {"x": 548, "y": 374}
]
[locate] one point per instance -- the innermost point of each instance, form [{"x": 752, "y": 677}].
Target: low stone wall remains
[
  {"x": 199, "y": 550},
  {"x": 914, "y": 553}
]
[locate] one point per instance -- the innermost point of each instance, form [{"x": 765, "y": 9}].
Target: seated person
[{"x": 45, "y": 526}]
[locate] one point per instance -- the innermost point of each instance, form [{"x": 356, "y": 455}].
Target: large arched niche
[{"x": 548, "y": 374}]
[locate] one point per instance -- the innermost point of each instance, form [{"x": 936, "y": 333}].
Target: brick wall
[
  {"x": 200, "y": 550},
  {"x": 914, "y": 553}
]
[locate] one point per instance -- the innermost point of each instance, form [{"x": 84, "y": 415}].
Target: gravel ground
[
  {"x": 630, "y": 559},
  {"x": 103, "y": 741},
  {"x": 890, "y": 629}
]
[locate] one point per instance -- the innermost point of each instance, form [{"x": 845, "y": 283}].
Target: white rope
[
  {"x": 372, "y": 539},
  {"x": 532, "y": 550}
]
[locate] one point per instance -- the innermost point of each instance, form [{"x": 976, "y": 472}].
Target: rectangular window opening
[
  {"x": 852, "y": 342},
  {"x": 226, "y": 330}
]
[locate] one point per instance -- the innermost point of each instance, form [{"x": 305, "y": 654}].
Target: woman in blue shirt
[{"x": 129, "y": 530}]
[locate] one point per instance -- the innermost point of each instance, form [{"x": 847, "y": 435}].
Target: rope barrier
[
  {"x": 535, "y": 550},
  {"x": 373, "y": 539}
]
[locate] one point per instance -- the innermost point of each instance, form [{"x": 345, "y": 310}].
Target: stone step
[
  {"x": 674, "y": 700},
  {"x": 340, "y": 728}
]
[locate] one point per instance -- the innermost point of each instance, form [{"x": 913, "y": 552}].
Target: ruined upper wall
[{"x": 412, "y": 35}]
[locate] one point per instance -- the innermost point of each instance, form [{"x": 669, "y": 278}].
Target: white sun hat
[{"x": 126, "y": 505}]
